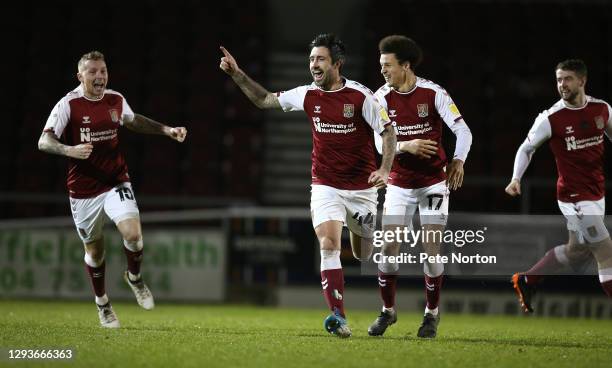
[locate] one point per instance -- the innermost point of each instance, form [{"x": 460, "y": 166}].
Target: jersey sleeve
[
  {"x": 446, "y": 108},
  {"x": 538, "y": 134},
  {"x": 609, "y": 123},
  {"x": 293, "y": 100},
  {"x": 375, "y": 114},
  {"x": 59, "y": 118},
  {"x": 127, "y": 113},
  {"x": 380, "y": 98},
  {"x": 452, "y": 117}
]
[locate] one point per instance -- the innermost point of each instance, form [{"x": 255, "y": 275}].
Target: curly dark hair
[{"x": 404, "y": 48}]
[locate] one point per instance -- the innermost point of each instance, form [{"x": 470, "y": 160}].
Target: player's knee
[
  {"x": 133, "y": 244},
  {"x": 577, "y": 253},
  {"x": 433, "y": 269},
  {"x": 94, "y": 256},
  {"x": 328, "y": 243}
]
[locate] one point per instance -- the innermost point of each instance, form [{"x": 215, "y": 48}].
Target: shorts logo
[
  {"x": 592, "y": 231},
  {"x": 83, "y": 233},
  {"x": 599, "y": 122},
  {"x": 422, "y": 110},
  {"x": 114, "y": 115},
  {"x": 349, "y": 110},
  {"x": 86, "y": 120}
]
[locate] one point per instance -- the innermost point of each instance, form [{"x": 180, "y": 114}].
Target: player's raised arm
[
  {"x": 260, "y": 96},
  {"x": 145, "y": 125},
  {"x": 49, "y": 143}
]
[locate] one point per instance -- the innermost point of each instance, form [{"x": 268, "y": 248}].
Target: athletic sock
[
  {"x": 387, "y": 286},
  {"x": 96, "y": 275},
  {"x": 134, "y": 259},
  {"x": 605, "y": 278},
  {"x": 433, "y": 286},
  {"x": 553, "y": 261},
  {"x": 332, "y": 280}
]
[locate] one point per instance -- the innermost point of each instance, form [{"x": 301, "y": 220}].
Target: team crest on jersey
[
  {"x": 349, "y": 110},
  {"x": 599, "y": 122},
  {"x": 86, "y": 120},
  {"x": 114, "y": 115},
  {"x": 422, "y": 110},
  {"x": 569, "y": 129},
  {"x": 392, "y": 113},
  {"x": 317, "y": 109}
]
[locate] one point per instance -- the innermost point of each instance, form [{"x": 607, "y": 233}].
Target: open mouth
[
  {"x": 98, "y": 84},
  {"x": 317, "y": 75}
]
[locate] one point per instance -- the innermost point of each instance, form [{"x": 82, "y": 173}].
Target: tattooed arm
[{"x": 145, "y": 125}]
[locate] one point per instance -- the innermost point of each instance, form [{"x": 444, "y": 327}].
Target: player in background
[
  {"x": 83, "y": 126},
  {"x": 421, "y": 176},
  {"x": 343, "y": 115},
  {"x": 575, "y": 126}
]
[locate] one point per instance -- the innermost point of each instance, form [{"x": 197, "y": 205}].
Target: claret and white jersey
[
  {"x": 342, "y": 121},
  {"x": 75, "y": 119},
  {"x": 420, "y": 114},
  {"x": 577, "y": 141}
]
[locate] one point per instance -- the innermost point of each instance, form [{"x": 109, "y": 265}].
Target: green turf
[{"x": 229, "y": 336}]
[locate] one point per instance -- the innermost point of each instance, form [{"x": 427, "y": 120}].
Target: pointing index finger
[{"x": 225, "y": 52}]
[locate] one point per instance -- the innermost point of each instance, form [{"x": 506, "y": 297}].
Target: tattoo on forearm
[
  {"x": 261, "y": 97},
  {"x": 389, "y": 143},
  {"x": 142, "y": 124}
]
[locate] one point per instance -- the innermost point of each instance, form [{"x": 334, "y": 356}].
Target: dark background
[{"x": 495, "y": 58}]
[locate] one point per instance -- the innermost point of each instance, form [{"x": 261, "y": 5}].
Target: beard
[{"x": 571, "y": 96}]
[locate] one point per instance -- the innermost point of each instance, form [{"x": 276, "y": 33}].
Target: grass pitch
[{"x": 244, "y": 336}]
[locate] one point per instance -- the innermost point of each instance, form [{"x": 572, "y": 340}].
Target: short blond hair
[{"x": 92, "y": 55}]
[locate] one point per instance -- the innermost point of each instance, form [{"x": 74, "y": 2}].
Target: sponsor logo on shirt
[
  {"x": 349, "y": 110},
  {"x": 411, "y": 129},
  {"x": 333, "y": 128},
  {"x": 422, "y": 110},
  {"x": 573, "y": 144}
]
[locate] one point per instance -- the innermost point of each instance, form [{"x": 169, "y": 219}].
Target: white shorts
[
  {"x": 355, "y": 208},
  {"x": 90, "y": 214},
  {"x": 586, "y": 218},
  {"x": 401, "y": 205}
]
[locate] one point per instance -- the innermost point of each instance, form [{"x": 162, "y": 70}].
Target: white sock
[
  {"x": 330, "y": 259},
  {"x": 102, "y": 300},
  {"x": 431, "y": 311},
  {"x": 133, "y": 278}
]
